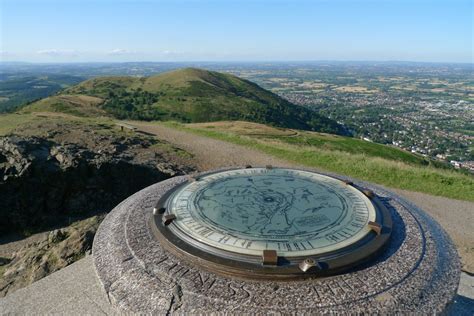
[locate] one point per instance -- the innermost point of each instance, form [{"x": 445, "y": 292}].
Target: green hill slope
[
  {"x": 195, "y": 95},
  {"x": 368, "y": 161}
]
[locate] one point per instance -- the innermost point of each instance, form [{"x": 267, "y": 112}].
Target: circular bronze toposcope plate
[{"x": 271, "y": 223}]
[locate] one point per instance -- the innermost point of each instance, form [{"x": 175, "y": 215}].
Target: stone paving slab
[
  {"x": 74, "y": 290},
  {"x": 464, "y": 300}
]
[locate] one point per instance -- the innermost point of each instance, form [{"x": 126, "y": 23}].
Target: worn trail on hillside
[
  {"x": 454, "y": 215},
  {"x": 211, "y": 153}
]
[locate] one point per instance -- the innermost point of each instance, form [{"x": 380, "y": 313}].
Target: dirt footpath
[
  {"x": 210, "y": 153},
  {"x": 457, "y": 217}
]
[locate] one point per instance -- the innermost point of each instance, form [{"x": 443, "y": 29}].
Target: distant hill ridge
[{"x": 186, "y": 95}]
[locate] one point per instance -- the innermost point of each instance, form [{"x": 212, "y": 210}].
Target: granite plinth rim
[{"x": 418, "y": 272}]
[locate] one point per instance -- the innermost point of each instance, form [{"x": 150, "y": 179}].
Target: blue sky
[{"x": 233, "y": 30}]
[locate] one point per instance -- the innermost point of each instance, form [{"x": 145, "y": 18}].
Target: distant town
[{"x": 426, "y": 109}]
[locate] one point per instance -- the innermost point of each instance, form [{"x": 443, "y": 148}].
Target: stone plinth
[{"x": 418, "y": 272}]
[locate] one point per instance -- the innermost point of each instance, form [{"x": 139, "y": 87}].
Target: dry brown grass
[{"x": 79, "y": 105}]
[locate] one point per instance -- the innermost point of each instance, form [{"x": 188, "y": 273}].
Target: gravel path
[{"x": 457, "y": 217}]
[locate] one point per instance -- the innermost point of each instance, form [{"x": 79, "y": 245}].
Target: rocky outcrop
[
  {"x": 44, "y": 183},
  {"x": 63, "y": 177},
  {"x": 54, "y": 251}
]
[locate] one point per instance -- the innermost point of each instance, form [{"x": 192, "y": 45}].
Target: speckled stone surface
[{"x": 418, "y": 272}]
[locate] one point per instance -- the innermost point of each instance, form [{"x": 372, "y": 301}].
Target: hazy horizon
[
  {"x": 296, "y": 62},
  {"x": 53, "y": 31}
]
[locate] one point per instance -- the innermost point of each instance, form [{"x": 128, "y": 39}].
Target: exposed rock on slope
[
  {"x": 59, "y": 171},
  {"x": 54, "y": 251},
  {"x": 42, "y": 181},
  {"x": 74, "y": 173}
]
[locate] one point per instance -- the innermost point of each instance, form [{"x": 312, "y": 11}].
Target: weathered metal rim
[{"x": 331, "y": 263}]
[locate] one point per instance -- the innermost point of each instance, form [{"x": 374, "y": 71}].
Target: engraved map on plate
[{"x": 291, "y": 211}]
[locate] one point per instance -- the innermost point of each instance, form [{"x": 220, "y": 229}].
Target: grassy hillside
[
  {"x": 194, "y": 95},
  {"x": 8, "y": 122},
  {"x": 317, "y": 140},
  {"x": 381, "y": 164},
  {"x": 79, "y": 105}
]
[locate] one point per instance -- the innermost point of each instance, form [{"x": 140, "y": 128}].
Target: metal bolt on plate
[
  {"x": 270, "y": 257},
  {"x": 307, "y": 264},
  {"x": 376, "y": 227},
  {"x": 369, "y": 193},
  {"x": 158, "y": 210},
  {"x": 167, "y": 219}
]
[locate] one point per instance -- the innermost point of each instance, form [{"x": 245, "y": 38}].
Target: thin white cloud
[
  {"x": 171, "y": 53},
  {"x": 57, "y": 52},
  {"x": 121, "y": 51}
]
